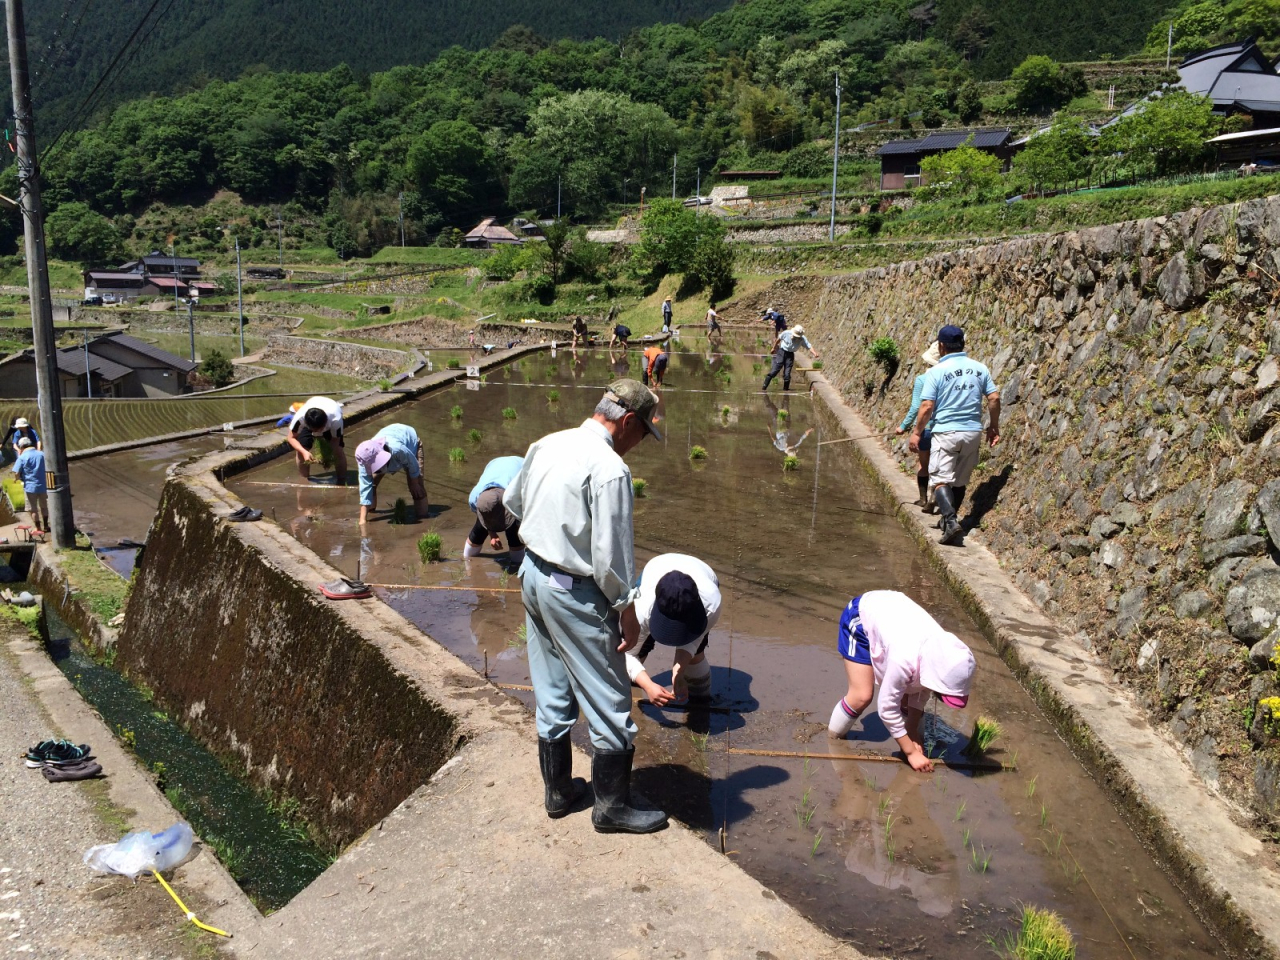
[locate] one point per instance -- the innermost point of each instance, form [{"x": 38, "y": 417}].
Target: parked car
[
  {"x": 111, "y": 298},
  {"x": 94, "y": 301}
]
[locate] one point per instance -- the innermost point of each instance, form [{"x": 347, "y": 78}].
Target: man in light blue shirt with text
[{"x": 952, "y": 398}]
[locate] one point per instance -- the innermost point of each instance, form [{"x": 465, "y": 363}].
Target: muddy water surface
[{"x": 893, "y": 861}]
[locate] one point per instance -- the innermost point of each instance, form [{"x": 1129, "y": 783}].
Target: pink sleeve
[{"x": 893, "y": 690}]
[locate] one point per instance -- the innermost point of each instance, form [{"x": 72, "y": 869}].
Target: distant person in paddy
[
  {"x": 580, "y": 332},
  {"x": 621, "y": 334},
  {"x": 784, "y": 355},
  {"x": 952, "y": 397},
  {"x": 396, "y": 447},
  {"x": 889, "y": 641},
  {"x": 678, "y": 604},
  {"x": 713, "y": 321},
  {"x": 318, "y": 417},
  {"x": 779, "y": 322},
  {"x": 666, "y": 315},
  {"x": 655, "y": 364},
  {"x": 29, "y": 468},
  {"x": 930, "y": 358},
  {"x": 492, "y": 518},
  {"x": 17, "y": 430}
]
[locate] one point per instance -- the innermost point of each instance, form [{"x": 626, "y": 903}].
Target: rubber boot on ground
[
  {"x": 922, "y": 484},
  {"x": 611, "y": 780},
  {"x": 555, "y": 758},
  {"x": 951, "y": 532}
]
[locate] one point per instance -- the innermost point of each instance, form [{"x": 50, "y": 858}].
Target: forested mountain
[{"x": 529, "y": 123}]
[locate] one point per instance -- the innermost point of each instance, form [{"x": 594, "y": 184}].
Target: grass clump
[
  {"x": 456, "y": 413},
  {"x": 429, "y": 545},
  {"x": 474, "y": 435},
  {"x": 554, "y": 396},
  {"x": 884, "y": 351},
  {"x": 384, "y": 384},
  {"x": 725, "y": 411},
  {"x": 817, "y": 365},
  {"x": 453, "y": 363},
  {"x": 637, "y": 486},
  {"x": 13, "y": 489},
  {"x": 985, "y": 732},
  {"x": 457, "y": 455},
  {"x": 101, "y": 588},
  {"x": 401, "y": 512},
  {"x": 509, "y": 413},
  {"x": 1043, "y": 936},
  {"x": 790, "y": 462},
  {"x": 697, "y": 453}
]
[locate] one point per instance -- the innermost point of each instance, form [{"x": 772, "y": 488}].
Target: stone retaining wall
[
  {"x": 336, "y": 356},
  {"x": 1135, "y": 493}
]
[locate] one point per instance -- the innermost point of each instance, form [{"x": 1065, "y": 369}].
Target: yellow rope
[
  {"x": 1107, "y": 913},
  {"x": 190, "y": 916}
]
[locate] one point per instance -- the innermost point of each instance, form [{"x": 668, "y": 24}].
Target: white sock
[
  {"x": 469, "y": 549},
  {"x": 842, "y": 719}
]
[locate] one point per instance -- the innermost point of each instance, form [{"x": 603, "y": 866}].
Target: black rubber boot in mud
[
  {"x": 555, "y": 758},
  {"x": 611, "y": 780},
  {"x": 951, "y": 530},
  {"x": 922, "y": 484}
]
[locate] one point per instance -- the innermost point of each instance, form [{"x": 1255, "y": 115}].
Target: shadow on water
[{"x": 268, "y": 853}]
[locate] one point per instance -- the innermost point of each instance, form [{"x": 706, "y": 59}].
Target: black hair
[{"x": 315, "y": 419}]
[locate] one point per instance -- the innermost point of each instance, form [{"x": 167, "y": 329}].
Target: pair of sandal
[
  {"x": 346, "y": 589},
  {"x": 244, "y": 515}
]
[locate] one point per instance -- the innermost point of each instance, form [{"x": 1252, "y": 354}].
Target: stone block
[
  {"x": 1266, "y": 513},
  {"x": 1112, "y": 555},
  {"x": 1253, "y": 607},
  {"x": 1175, "y": 282},
  {"x": 1245, "y": 545},
  {"x": 1129, "y": 610},
  {"x": 1077, "y": 546},
  {"x": 1224, "y": 514},
  {"x": 1262, "y": 653},
  {"x": 1204, "y": 760},
  {"x": 1193, "y": 603},
  {"x": 1103, "y": 529}
]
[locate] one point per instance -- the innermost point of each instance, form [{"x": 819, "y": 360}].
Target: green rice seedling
[
  {"x": 870, "y": 783},
  {"x": 985, "y": 732},
  {"x": 700, "y": 741},
  {"x": 401, "y": 512},
  {"x": 1031, "y": 786},
  {"x": 890, "y": 848},
  {"x": 1042, "y": 936},
  {"x": 883, "y": 805},
  {"x": 456, "y": 413},
  {"x": 960, "y": 810},
  {"x": 964, "y": 835},
  {"x": 429, "y": 545},
  {"x": 457, "y": 455},
  {"x": 554, "y": 396},
  {"x": 453, "y": 363},
  {"x": 756, "y": 368},
  {"x": 725, "y": 411},
  {"x": 1013, "y": 761},
  {"x": 521, "y": 637},
  {"x": 817, "y": 364},
  {"x": 504, "y": 578},
  {"x": 783, "y": 416},
  {"x": 553, "y": 371},
  {"x": 1044, "y": 815},
  {"x": 474, "y": 435},
  {"x": 637, "y": 486},
  {"x": 509, "y": 413},
  {"x": 817, "y": 840},
  {"x": 790, "y": 462},
  {"x": 697, "y": 453}
]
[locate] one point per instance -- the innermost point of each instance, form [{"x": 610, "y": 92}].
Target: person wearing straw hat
[
  {"x": 17, "y": 430},
  {"x": 784, "y": 355},
  {"x": 889, "y": 641},
  {"x": 779, "y": 322},
  {"x": 930, "y": 358},
  {"x": 396, "y": 447},
  {"x": 574, "y": 500},
  {"x": 952, "y": 397},
  {"x": 678, "y": 604},
  {"x": 666, "y": 315},
  {"x": 29, "y": 468},
  {"x": 492, "y": 518}
]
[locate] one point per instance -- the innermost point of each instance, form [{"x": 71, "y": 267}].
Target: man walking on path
[
  {"x": 30, "y": 471},
  {"x": 318, "y": 417},
  {"x": 574, "y": 501},
  {"x": 784, "y": 355},
  {"x": 492, "y": 518},
  {"x": 952, "y": 398},
  {"x": 666, "y": 315}
]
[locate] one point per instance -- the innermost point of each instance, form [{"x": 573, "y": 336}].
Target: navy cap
[
  {"x": 951, "y": 336},
  {"x": 678, "y": 616}
]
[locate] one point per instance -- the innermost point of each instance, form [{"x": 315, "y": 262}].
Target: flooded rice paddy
[{"x": 892, "y": 861}]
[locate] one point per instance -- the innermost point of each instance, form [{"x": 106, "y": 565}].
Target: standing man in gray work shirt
[
  {"x": 952, "y": 396},
  {"x": 784, "y": 355},
  {"x": 573, "y": 499}
]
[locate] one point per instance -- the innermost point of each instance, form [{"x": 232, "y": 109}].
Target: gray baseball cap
[{"x": 635, "y": 396}]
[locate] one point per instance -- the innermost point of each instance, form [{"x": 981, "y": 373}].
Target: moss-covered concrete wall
[{"x": 1135, "y": 493}]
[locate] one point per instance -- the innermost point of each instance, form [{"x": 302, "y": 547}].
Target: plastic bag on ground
[{"x": 142, "y": 851}]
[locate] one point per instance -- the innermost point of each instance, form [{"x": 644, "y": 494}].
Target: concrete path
[{"x": 471, "y": 867}]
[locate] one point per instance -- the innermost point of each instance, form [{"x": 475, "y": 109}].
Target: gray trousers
[{"x": 574, "y": 662}]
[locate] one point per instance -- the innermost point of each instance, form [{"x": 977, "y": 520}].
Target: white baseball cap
[{"x": 21, "y": 422}]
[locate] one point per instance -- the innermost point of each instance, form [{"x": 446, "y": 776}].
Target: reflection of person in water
[
  {"x": 621, "y": 365},
  {"x": 923, "y": 863},
  {"x": 779, "y": 435}
]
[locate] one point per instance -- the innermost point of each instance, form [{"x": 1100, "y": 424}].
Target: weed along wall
[{"x": 1134, "y": 494}]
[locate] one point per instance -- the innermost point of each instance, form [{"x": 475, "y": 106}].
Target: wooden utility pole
[
  {"x": 240, "y": 298},
  {"x": 53, "y": 439},
  {"x": 835, "y": 163}
]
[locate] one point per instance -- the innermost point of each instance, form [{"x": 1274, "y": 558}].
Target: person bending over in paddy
[
  {"x": 889, "y": 640},
  {"x": 580, "y": 332},
  {"x": 655, "y": 364},
  {"x": 678, "y": 604},
  {"x": 492, "y": 518},
  {"x": 318, "y": 417},
  {"x": 396, "y": 447}
]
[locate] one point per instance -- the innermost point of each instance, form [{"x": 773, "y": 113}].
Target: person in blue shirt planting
[
  {"x": 492, "y": 518},
  {"x": 396, "y": 447},
  {"x": 952, "y": 397}
]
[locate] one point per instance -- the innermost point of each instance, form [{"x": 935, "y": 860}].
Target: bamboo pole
[
  {"x": 444, "y": 586},
  {"x": 994, "y": 766}
]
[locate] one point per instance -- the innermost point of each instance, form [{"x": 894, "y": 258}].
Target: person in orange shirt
[{"x": 655, "y": 364}]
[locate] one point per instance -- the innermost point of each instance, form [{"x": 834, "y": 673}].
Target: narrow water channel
[
  {"x": 893, "y": 861},
  {"x": 270, "y": 856}
]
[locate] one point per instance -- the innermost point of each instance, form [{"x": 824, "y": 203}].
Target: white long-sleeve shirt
[
  {"x": 704, "y": 578},
  {"x": 574, "y": 501},
  {"x": 897, "y": 628}
]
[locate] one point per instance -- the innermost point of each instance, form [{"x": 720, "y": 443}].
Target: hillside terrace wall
[
  {"x": 1135, "y": 493},
  {"x": 353, "y": 359}
]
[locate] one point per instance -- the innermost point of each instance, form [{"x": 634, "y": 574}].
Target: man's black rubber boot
[
  {"x": 951, "y": 531},
  {"x": 922, "y": 483},
  {"x": 555, "y": 757},
  {"x": 611, "y": 780}
]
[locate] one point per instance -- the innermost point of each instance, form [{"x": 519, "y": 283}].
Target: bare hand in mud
[
  {"x": 659, "y": 696},
  {"x": 920, "y": 763}
]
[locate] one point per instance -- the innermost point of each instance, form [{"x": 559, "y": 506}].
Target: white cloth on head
[
  {"x": 574, "y": 501},
  {"x": 907, "y": 644}
]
